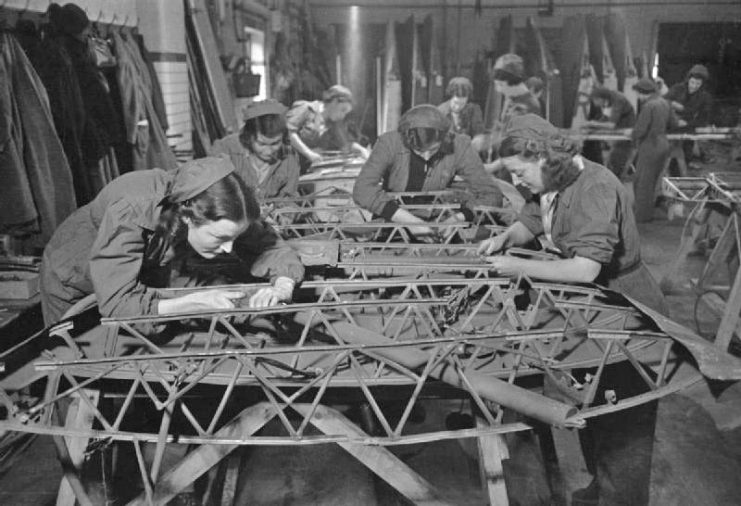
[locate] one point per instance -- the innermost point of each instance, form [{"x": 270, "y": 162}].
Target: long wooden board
[
  {"x": 545, "y": 67},
  {"x": 405, "y": 57},
  {"x": 391, "y": 91},
  {"x": 574, "y": 47},
  {"x": 214, "y": 71},
  {"x": 430, "y": 48},
  {"x": 505, "y": 43},
  {"x": 419, "y": 72}
]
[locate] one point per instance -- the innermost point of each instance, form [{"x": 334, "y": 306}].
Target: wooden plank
[
  {"x": 492, "y": 451},
  {"x": 205, "y": 457},
  {"x": 231, "y": 477},
  {"x": 79, "y": 415},
  {"x": 431, "y": 51},
  {"x": 378, "y": 459},
  {"x": 405, "y": 57},
  {"x": 419, "y": 72},
  {"x": 391, "y": 83},
  {"x": 573, "y": 40},
  {"x": 729, "y": 322},
  {"x": 214, "y": 72}
]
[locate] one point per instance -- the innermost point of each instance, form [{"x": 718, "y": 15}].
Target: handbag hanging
[{"x": 246, "y": 84}]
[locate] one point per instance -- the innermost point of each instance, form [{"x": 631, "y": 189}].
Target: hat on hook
[
  {"x": 72, "y": 19},
  {"x": 645, "y": 85}
]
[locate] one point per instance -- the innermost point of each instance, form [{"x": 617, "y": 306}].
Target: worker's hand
[
  {"x": 455, "y": 219},
  {"x": 361, "y": 151},
  {"x": 313, "y": 156},
  {"x": 492, "y": 245},
  {"x": 281, "y": 291},
  {"x": 505, "y": 265},
  {"x": 421, "y": 232},
  {"x": 677, "y": 106},
  {"x": 200, "y": 301},
  {"x": 682, "y": 123}
]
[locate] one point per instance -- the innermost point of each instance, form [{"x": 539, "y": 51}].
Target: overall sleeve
[
  {"x": 290, "y": 189},
  {"x": 594, "y": 222},
  {"x": 477, "y": 121},
  {"x": 267, "y": 255},
  {"x": 218, "y": 148},
  {"x": 643, "y": 124},
  {"x": 368, "y": 191},
  {"x": 704, "y": 110},
  {"x": 530, "y": 217},
  {"x": 479, "y": 184},
  {"x": 115, "y": 263}
]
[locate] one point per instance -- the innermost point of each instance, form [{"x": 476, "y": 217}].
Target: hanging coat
[
  {"x": 35, "y": 181},
  {"x": 144, "y": 132}
]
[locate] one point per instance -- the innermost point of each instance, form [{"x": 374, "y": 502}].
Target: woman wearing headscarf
[
  {"x": 584, "y": 213},
  {"x": 649, "y": 135},
  {"x": 121, "y": 246},
  {"x": 321, "y": 125},
  {"x": 260, "y": 151},
  {"x": 422, "y": 155}
]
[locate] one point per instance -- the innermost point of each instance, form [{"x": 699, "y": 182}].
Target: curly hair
[
  {"x": 559, "y": 169},
  {"x": 459, "y": 87}
]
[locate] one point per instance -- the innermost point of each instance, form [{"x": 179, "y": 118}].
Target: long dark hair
[
  {"x": 228, "y": 198},
  {"x": 559, "y": 169}
]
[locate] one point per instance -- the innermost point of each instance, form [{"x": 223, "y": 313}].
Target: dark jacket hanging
[{"x": 35, "y": 182}]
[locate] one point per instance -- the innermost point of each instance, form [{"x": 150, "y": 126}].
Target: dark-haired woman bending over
[
  {"x": 584, "y": 213},
  {"x": 121, "y": 246}
]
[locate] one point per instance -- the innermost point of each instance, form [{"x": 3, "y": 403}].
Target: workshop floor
[{"x": 697, "y": 452}]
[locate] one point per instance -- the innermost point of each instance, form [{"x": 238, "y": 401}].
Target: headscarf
[{"x": 196, "y": 176}]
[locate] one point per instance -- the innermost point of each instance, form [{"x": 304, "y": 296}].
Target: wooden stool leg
[
  {"x": 378, "y": 459},
  {"x": 492, "y": 451},
  {"x": 80, "y": 415}
]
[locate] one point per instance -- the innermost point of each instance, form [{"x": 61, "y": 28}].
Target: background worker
[
  {"x": 321, "y": 125},
  {"x": 422, "y": 155},
  {"x": 260, "y": 151},
  {"x": 537, "y": 87},
  {"x": 649, "y": 136},
  {"x": 692, "y": 104},
  {"x": 617, "y": 113},
  {"x": 509, "y": 80},
  {"x": 584, "y": 213},
  {"x": 121, "y": 246},
  {"x": 464, "y": 116}
]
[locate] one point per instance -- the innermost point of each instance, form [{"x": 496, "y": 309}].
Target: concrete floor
[{"x": 697, "y": 455}]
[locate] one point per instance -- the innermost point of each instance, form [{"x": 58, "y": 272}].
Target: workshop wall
[{"x": 467, "y": 30}]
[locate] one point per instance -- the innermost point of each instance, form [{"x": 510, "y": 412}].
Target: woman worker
[
  {"x": 464, "y": 116},
  {"x": 649, "y": 135},
  {"x": 584, "y": 213},
  {"x": 121, "y": 245},
  {"x": 422, "y": 155},
  {"x": 260, "y": 153},
  {"x": 617, "y": 113},
  {"x": 321, "y": 125}
]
